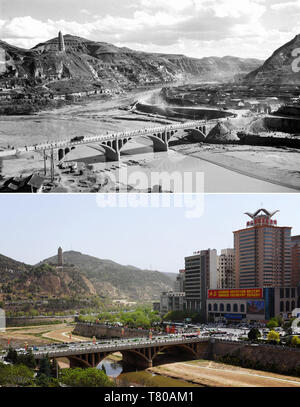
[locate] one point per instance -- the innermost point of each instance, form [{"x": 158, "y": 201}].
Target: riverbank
[
  {"x": 279, "y": 166},
  {"x": 212, "y": 374}
]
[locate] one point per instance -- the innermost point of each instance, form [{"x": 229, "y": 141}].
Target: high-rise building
[
  {"x": 200, "y": 275},
  {"x": 61, "y": 42},
  {"x": 263, "y": 252},
  {"x": 60, "y": 257},
  {"x": 295, "y": 260},
  {"x": 225, "y": 269},
  {"x": 179, "y": 284}
]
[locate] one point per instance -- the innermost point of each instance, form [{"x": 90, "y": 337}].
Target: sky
[
  {"x": 196, "y": 28},
  {"x": 157, "y": 238}
]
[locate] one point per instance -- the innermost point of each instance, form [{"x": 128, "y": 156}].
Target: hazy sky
[
  {"x": 246, "y": 28},
  {"x": 33, "y": 226}
]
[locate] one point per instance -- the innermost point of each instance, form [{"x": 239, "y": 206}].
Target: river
[
  {"x": 143, "y": 169},
  {"x": 115, "y": 370}
]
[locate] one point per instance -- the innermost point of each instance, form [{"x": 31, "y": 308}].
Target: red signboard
[{"x": 236, "y": 293}]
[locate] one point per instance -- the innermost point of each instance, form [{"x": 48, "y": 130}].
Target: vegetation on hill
[
  {"x": 117, "y": 281},
  {"x": 84, "y": 283}
]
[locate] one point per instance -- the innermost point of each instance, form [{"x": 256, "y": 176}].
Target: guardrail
[
  {"x": 103, "y": 137},
  {"x": 115, "y": 347}
]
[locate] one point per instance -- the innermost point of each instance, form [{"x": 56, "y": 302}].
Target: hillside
[
  {"x": 114, "y": 280},
  {"x": 8, "y": 265},
  {"x": 111, "y": 67},
  {"x": 22, "y": 282},
  {"x": 279, "y": 69}
]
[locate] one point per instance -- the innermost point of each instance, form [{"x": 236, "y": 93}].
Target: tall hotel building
[
  {"x": 200, "y": 275},
  {"x": 263, "y": 252}
]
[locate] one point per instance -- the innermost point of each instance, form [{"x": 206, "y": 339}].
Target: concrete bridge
[
  {"x": 140, "y": 352},
  {"x": 112, "y": 144}
]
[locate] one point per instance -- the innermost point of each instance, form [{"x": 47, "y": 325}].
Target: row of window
[
  {"x": 222, "y": 307},
  {"x": 288, "y": 306}
]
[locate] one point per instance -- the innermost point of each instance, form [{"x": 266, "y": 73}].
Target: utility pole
[
  {"x": 52, "y": 165},
  {"x": 45, "y": 167}
]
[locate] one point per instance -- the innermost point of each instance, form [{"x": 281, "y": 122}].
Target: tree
[
  {"x": 273, "y": 337},
  {"x": 12, "y": 356},
  {"x": 45, "y": 381},
  {"x": 254, "y": 334},
  {"x": 27, "y": 360},
  {"x": 16, "y": 375},
  {"x": 272, "y": 324},
  {"x": 89, "y": 377},
  {"x": 295, "y": 341},
  {"x": 45, "y": 367}
]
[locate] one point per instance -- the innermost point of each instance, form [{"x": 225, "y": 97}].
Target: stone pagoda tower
[{"x": 61, "y": 42}]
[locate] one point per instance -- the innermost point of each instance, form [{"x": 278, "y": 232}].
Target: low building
[
  {"x": 171, "y": 301},
  {"x": 252, "y": 304}
]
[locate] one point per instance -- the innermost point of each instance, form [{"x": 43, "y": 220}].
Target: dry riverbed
[{"x": 212, "y": 374}]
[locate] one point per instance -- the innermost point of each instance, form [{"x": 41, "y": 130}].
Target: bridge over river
[
  {"x": 112, "y": 144},
  {"x": 140, "y": 352}
]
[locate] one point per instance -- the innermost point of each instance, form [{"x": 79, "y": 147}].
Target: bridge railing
[
  {"x": 115, "y": 347},
  {"x": 107, "y": 137}
]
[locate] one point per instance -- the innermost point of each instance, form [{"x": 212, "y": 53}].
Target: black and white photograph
[
  {"x": 146, "y": 96},
  {"x": 149, "y": 200}
]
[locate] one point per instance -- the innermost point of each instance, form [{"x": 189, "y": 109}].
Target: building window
[
  {"x": 293, "y": 295},
  {"x": 287, "y": 293},
  {"x": 215, "y": 307},
  {"x": 228, "y": 307},
  {"x": 235, "y": 308},
  {"x": 209, "y": 307},
  {"x": 221, "y": 307},
  {"x": 281, "y": 306},
  {"x": 242, "y": 308},
  {"x": 281, "y": 293},
  {"x": 292, "y": 305},
  {"x": 287, "y": 306}
]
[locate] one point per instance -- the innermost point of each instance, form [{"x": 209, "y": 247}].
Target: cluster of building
[
  {"x": 256, "y": 280},
  {"x": 258, "y": 100}
]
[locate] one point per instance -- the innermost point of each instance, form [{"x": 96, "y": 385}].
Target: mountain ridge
[
  {"x": 279, "y": 67},
  {"x": 113, "y": 67},
  {"x": 82, "y": 275}
]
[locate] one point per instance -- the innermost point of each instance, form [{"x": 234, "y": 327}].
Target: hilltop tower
[
  {"x": 61, "y": 42},
  {"x": 60, "y": 257}
]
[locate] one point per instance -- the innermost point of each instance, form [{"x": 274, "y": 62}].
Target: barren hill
[
  {"x": 282, "y": 68},
  {"x": 115, "y": 280},
  {"x": 113, "y": 67}
]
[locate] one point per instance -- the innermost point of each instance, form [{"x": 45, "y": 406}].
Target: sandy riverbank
[
  {"x": 277, "y": 165},
  {"x": 212, "y": 374}
]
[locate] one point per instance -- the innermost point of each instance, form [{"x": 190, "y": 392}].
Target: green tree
[
  {"x": 272, "y": 324},
  {"x": 295, "y": 341},
  {"x": 89, "y": 377},
  {"x": 16, "y": 375},
  {"x": 45, "y": 381},
  {"x": 27, "y": 360},
  {"x": 273, "y": 337},
  {"x": 45, "y": 367},
  {"x": 254, "y": 334},
  {"x": 12, "y": 356}
]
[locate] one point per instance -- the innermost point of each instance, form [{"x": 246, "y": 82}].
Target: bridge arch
[{"x": 189, "y": 350}]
